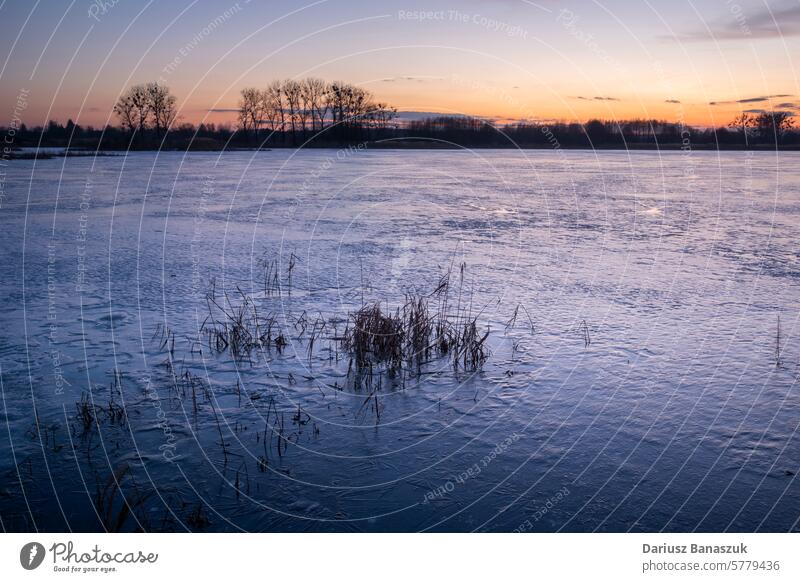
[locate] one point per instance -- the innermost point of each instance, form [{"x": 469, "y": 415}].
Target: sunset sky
[{"x": 700, "y": 61}]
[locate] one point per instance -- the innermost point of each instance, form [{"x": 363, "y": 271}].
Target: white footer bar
[{"x": 407, "y": 557}]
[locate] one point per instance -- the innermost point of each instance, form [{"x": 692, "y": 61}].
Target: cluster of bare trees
[
  {"x": 307, "y": 107},
  {"x": 767, "y": 126},
  {"x": 146, "y": 106}
]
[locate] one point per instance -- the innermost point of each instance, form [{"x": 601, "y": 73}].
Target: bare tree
[
  {"x": 349, "y": 106},
  {"x": 314, "y": 91},
  {"x": 126, "y": 113},
  {"x": 273, "y": 105},
  {"x": 743, "y": 122},
  {"x": 305, "y": 110},
  {"x": 773, "y": 125},
  {"x": 162, "y": 107},
  {"x": 133, "y": 108},
  {"x": 334, "y": 101},
  {"x": 251, "y": 110},
  {"x": 381, "y": 115},
  {"x": 359, "y": 105},
  {"x": 292, "y": 91}
]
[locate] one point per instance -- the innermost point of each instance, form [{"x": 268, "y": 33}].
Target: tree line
[
  {"x": 314, "y": 113},
  {"x": 762, "y": 130}
]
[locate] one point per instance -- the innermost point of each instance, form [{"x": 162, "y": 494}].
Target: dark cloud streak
[
  {"x": 761, "y": 23},
  {"x": 582, "y": 98},
  {"x": 759, "y": 99}
]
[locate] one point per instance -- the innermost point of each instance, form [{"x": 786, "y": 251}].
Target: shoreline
[{"x": 41, "y": 154}]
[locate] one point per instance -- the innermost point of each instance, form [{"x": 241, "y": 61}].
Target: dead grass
[{"x": 422, "y": 330}]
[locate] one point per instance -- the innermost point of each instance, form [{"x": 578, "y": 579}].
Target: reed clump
[
  {"x": 240, "y": 329},
  {"x": 374, "y": 337},
  {"x": 423, "y": 329}
]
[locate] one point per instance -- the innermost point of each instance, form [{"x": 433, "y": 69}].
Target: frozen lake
[{"x": 647, "y": 383}]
